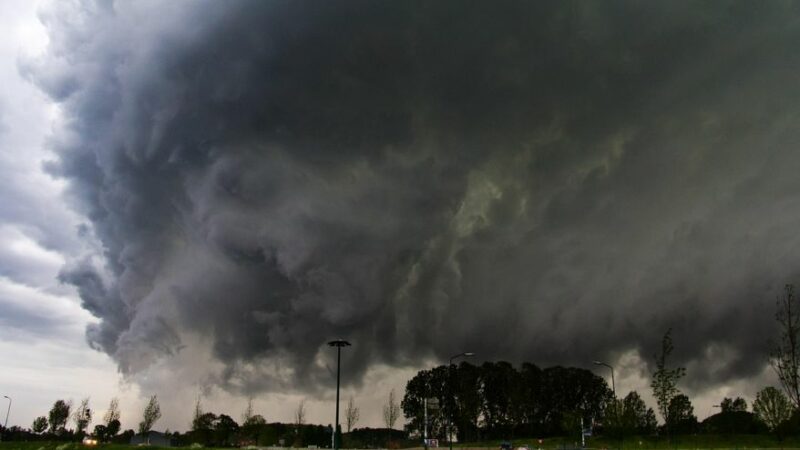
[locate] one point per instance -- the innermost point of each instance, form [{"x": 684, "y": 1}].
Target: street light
[
  {"x": 339, "y": 343},
  {"x": 450, "y": 416},
  {"x": 8, "y": 411},
  {"x": 614, "y": 390},
  {"x": 613, "y": 387}
]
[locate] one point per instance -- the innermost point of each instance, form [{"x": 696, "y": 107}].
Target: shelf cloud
[{"x": 532, "y": 181}]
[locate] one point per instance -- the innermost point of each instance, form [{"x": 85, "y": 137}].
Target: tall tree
[
  {"x": 82, "y": 416},
  {"x": 206, "y": 422},
  {"x": 680, "y": 414},
  {"x": 499, "y": 383},
  {"x": 225, "y": 430},
  {"x": 59, "y": 414},
  {"x": 150, "y": 415},
  {"x": 203, "y": 428},
  {"x": 636, "y": 415},
  {"x": 665, "y": 380},
  {"x": 198, "y": 412},
  {"x": 112, "y": 428},
  {"x": 112, "y": 413},
  {"x": 391, "y": 410},
  {"x": 427, "y": 384},
  {"x": 569, "y": 394},
  {"x": 772, "y": 407},
  {"x": 468, "y": 400},
  {"x": 530, "y": 398},
  {"x": 300, "y": 414},
  {"x": 252, "y": 426},
  {"x": 351, "y": 414},
  {"x": 785, "y": 352},
  {"x": 248, "y": 411},
  {"x": 39, "y": 424}
]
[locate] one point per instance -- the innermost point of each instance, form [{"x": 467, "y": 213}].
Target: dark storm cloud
[{"x": 546, "y": 181}]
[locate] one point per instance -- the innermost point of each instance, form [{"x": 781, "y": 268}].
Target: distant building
[{"x": 154, "y": 438}]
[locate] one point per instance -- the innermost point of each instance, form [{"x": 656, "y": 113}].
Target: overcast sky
[{"x": 197, "y": 196}]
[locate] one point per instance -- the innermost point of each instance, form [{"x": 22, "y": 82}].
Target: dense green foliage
[
  {"x": 497, "y": 400},
  {"x": 59, "y": 413}
]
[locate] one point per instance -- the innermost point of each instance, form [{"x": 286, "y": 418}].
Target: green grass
[
  {"x": 686, "y": 442},
  {"x": 691, "y": 442},
  {"x": 43, "y": 445}
]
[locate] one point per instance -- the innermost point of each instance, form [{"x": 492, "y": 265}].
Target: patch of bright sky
[{"x": 45, "y": 355}]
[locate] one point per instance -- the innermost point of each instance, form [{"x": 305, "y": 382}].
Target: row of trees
[
  {"x": 206, "y": 428},
  {"x": 221, "y": 430},
  {"x": 54, "y": 425},
  {"x": 497, "y": 400}
]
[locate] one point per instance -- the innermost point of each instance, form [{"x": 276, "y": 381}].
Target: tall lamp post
[
  {"x": 613, "y": 387},
  {"x": 450, "y": 416},
  {"x": 339, "y": 343},
  {"x": 8, "y": 411},
  {"x": 614, "y": 390}
]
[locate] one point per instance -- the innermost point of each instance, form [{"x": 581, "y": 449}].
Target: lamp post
[
  {"x": 613, "y": 387},
  {"x": 614, "y": 390},
  {"x": 339, "y": 343},
  {"x": 8, "y": 411},
  {"x": 450, "y": 416}
]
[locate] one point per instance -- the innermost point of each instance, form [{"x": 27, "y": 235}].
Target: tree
[
  {"x": 151, "y": 414},
  {"x": 300, "y": 414},
  {"x": 427, "y": 384},
  {"x": 351, "y": 414},
  {"x": 58, "y": 416},
  {"x": 568, "y": 394},
  {"x": 203, "y": 428},
  {"x": 112, "y": 428},
  {"x": 248, "y": 411},
  {"x": 785, "y": 352},
  {"x": 680, "y": 415},
  {"x": 391, "y": 411},
  {"x": 530, "y": 413},
  {"x": 650, "y": 421},
  {"x": 101, "y": 432},
  {"x": 615, "y": 421},
  {"x": 39, "y": 424},
  {"x": 82, "y": 416},
  {"x": 205, "y": 422},
  {"x": 198, "y": 411},
  {"x": 252, "y": 426},
  {"x": 772, "y": 407},
  {"x": 636, "y": 416},
  {"x": 730, "y": 405},
  {"x": 224, "y": 430},
  {"x": 113, "y": 412},
  {"x": 499, "y": 381},
  {"x": 665, "y": 380}
]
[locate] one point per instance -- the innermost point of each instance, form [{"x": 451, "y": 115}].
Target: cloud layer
[{"x": 548, "y": 181}]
